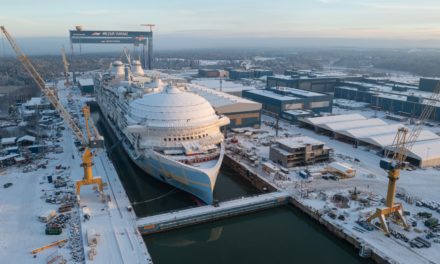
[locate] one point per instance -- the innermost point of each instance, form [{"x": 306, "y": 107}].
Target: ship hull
[{"x": 198, "y": 182}]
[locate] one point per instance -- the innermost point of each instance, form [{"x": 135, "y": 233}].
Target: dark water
[
  {"x": 280, "y": 235},
  {"x": 142, "y": 188}
]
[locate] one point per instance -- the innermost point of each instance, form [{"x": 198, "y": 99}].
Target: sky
[{"x": 230, "y": 20}]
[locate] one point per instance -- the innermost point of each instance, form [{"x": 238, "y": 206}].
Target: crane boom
[
  {"x": 89, "y": 142},
  {"x": 66, "y": 66},
  {"x": 402, "y": 144},
  {"x": 50, "y": 93}
]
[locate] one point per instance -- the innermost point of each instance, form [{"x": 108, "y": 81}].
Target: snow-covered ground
[
  {"x": 22, "y": 203},
  {"x": 370, "y": 179}
]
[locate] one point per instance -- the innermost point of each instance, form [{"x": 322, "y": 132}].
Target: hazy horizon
[{"x": 238, "y": 23}]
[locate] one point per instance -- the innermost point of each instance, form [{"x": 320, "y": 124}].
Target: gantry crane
[
  {"x": 395, "y": 159},
  {"x": 66, "y": 67},
  {"x": 93, "y": 140}
]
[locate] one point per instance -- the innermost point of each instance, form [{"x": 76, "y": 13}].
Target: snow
[
  {"x": 370, "y": 178},
  {"x": 8, "y": 140},
  {"x": 297, "y": 142},
  {"x": 120, "y": 240},
  {"x": 85, "y": 82},
  {"x": 345, "y": 125},
  {"x": 333, "y": 118},
  {"x": 269, "y": 94},
  {"x": 26, "y": 138},
  {"x": 227, "y": 86}
]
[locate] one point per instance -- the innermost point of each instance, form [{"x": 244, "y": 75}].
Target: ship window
[
  {"x": 187, "y": 138},
  {"x": 164, "y": 139},
  {"x": 180, "y": 139},
  {"x": 192, "y": 137},
  {"x": 200, "y": 136},
  {"x": 174, "y": 139}
]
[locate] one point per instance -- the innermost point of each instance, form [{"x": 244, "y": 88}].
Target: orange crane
[
  {"x": 395, "y": 159},
  {"x": 93, "y": 140},
  {"x": 66, "y": 66},
  {"x": 53, "y": 244}
]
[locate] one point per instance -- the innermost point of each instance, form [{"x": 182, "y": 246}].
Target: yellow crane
[
  {"x": 93, "y": 140},
  {"x": 53, "y": 244},
  {"x": 395, "y": 159},
  {"x": 66, "y": 66}
]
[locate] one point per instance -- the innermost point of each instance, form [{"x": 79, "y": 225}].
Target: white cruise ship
[{"x": 172, "y": 134}]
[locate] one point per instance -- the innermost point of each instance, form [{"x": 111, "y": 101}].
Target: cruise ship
[{"x": 171, "y": 133}]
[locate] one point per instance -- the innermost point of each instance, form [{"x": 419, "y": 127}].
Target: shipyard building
[
  {"x": 375, "y": 134},
  {"x": 405, "y": 100},
  {"x": 283, "y": 99},
  {"x": 428, "y": 84},
  {"x": 237, "y": 74},
  {"x": 241, "y": 112},
  {"x": 298, "y": 151}
]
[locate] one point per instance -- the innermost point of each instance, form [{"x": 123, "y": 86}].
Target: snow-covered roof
[
  {"x": 385, "y": 140},
  {"x": 8, "y": 141},
  {"x": 371, "y": 131},
  {"x": 273, "y": 95},
  {"x": 297, "y": 142},
  {"x": 425, "y": 150},
  {"x": 10, "y": 156},
  {"x": 85, "y": 82},
  {"x": 333, "y": 118},
  {"x": 344, "y": 125},
  {"x": 222, "y": 101},
  {"x": 340, "y": 166},
  {"x": 34, "y": 101},
  {"x": 26, "y": 138},
  {"x": 297, "y": 92}
]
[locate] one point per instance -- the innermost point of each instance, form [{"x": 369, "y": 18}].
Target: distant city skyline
[{"x": 235, "y": 21}]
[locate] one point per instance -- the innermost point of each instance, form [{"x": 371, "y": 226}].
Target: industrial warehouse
[
  {"x": 406, "y": 100},
  {"x": 240, "y": 111},
  {"x": 376, "y": 134},
  {"x": 280, "y": 99}
]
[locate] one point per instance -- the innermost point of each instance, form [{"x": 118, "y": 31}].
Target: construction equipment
[
  {"x": 95, "y": 141},
  {"x": 149, "y": 25},
  {"x": 402, "y": 144},
  {"x": 66, "y": 67},
  {"x": 53, "y": 244}
]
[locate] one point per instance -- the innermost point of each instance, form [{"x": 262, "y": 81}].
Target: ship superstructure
[{"x": 172, "y": 134}]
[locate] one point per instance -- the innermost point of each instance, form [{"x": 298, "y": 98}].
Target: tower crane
[
  {"x": 66, "y": 67},
  {"x": 395, "y": 159},
  {"x": 92, "y": 141}
]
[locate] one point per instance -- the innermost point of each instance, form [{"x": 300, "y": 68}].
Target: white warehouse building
[{"x": 377, "y": 134}]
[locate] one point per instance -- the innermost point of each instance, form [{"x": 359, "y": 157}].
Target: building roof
[
  {"x": 425, "y": 150},
  {"x": 333, "y": 118},
  {"x": 273, "y": 95},
  {"x": 85, "y": 82},
  {"x": 386, "y": 140},
  {"x": 371, "y": 130},
  {"x": 297, "y": 92},
  {"x": 8, "y": 141},
  {"x": 26, "y": 138},
  {"x": 34, "y": 101},
  {"x": 344, "y": 125},
  {"x": 223, "y": 102},
  {"x": 297, "y": 142}
]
